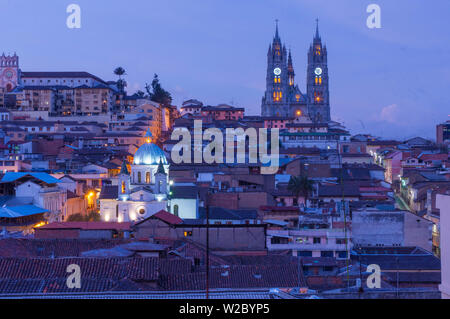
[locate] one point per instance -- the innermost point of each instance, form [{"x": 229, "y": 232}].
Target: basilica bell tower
[
  {"x": 275, "y": 100},
  {"x": 317, "y": 81}
]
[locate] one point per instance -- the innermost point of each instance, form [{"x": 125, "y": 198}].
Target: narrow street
[{"x": 401, "y": 203}]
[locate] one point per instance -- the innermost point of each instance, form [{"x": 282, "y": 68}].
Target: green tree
[
  {"x": 140, "y": 94},
  {"x": 301, "y": 185},
  {"x": 157, "y": 93},
  {"x": 93, "y": 217},
  {"x": 76, "y": 218}
]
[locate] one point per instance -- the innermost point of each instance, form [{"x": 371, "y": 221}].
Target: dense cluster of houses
[{"x": 78, "y": 192}]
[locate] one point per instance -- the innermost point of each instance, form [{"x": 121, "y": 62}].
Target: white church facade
[{"x": 141, "y": 192}]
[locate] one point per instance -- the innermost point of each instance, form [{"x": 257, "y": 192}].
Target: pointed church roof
[
  {"x": 124, "y": 168},
  {"x": 160, "y": 169},
  {"x": 317, "y": 36},
  {"x": 276, "y": 30},
  {"x": 148, "y": 133},
  {"x": 290, "y": 65},
  {"x": 276, "y": 38}
]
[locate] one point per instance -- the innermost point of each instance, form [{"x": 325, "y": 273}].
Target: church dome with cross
[{"x": 149, "y": 153}]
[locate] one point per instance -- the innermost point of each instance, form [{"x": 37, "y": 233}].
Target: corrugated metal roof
[
  {"x": 20, "y": 211},
  {"x": 44, "y": 177}
]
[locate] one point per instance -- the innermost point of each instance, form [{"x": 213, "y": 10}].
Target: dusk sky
[{"x": 391, "y": 82}]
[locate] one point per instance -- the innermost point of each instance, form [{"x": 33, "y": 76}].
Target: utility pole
[
  {"x": 207, "y": 251},
  {"x": 343, "y": 207},
  {"x": 396, "y": 261}
]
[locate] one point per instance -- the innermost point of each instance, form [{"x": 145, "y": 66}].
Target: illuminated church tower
[
  {"x": 9, "y": 71},
  {"x": 275, "y": 100},
  {"x": 283, "y": 97},
  {"x": 317, "y": 81}
]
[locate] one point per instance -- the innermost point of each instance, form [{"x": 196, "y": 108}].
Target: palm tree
[
  {"x": 301, "y": 185},
  {"x": 119, "y": 71},
  {"x": 121, "y": 84}
]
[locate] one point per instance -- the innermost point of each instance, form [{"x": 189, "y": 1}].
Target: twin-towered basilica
[{"x": 283, "y": 97}]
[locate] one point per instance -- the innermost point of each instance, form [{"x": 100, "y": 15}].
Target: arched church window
[
  {"x": 139, "y": 177},
  {"x": 147, "y": 177},
  {"x": 318, "y": 49},
  {"x": 318, "y": 80},
  {"x": 175, "y": 210},
  {"x": 160, "y": 186},
  {"x": 123, "y": 187},
  {"x": 317, "y": 97},
  {"x": 117, "y": 211}
]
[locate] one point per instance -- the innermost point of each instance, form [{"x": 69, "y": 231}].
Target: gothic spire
[
  {"x": 317, "y": 36},
  {"x": 290, "y": 65},
  {"x": 124, "y": 168},
  {"x": 277, "y": 37}
]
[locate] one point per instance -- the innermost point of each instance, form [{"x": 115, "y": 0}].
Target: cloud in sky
[
  {"x": 216, "y": 51},
  {"x": 389, "y": 113}
]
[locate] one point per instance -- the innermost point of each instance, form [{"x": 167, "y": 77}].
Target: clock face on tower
[
  {"x": 9, "y": 74},
  {"x": 318, "y": 71},
  {"x": 277, "y": 71}
]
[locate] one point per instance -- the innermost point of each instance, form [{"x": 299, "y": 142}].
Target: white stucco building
[
  {"x": 443, "y": 203},
  {"x": 39, "y": 189}
]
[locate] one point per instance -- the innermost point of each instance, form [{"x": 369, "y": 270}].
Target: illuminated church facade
[
  {"x": 282, "y": 97},
  {"x": 141, "y": 192}
]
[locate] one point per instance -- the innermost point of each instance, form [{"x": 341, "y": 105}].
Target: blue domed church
[{"x": 141, "y": 192}]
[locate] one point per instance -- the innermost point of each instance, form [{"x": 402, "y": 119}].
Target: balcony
[
  {"x": 54, "y": 189},
  {"x": 328, "y": 239},
  {"x": 309, "y": 247}
]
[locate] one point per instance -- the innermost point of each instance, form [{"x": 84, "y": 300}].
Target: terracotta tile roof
[
  {"x": 238, "y": 276},
  {"x": 88, "y": 225},
  {"x": 168, "y": 217},
  {"x": 109, "y": 192},
  {"x": 20, "y": 275},
  {"x": 12, "y": 247}
]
